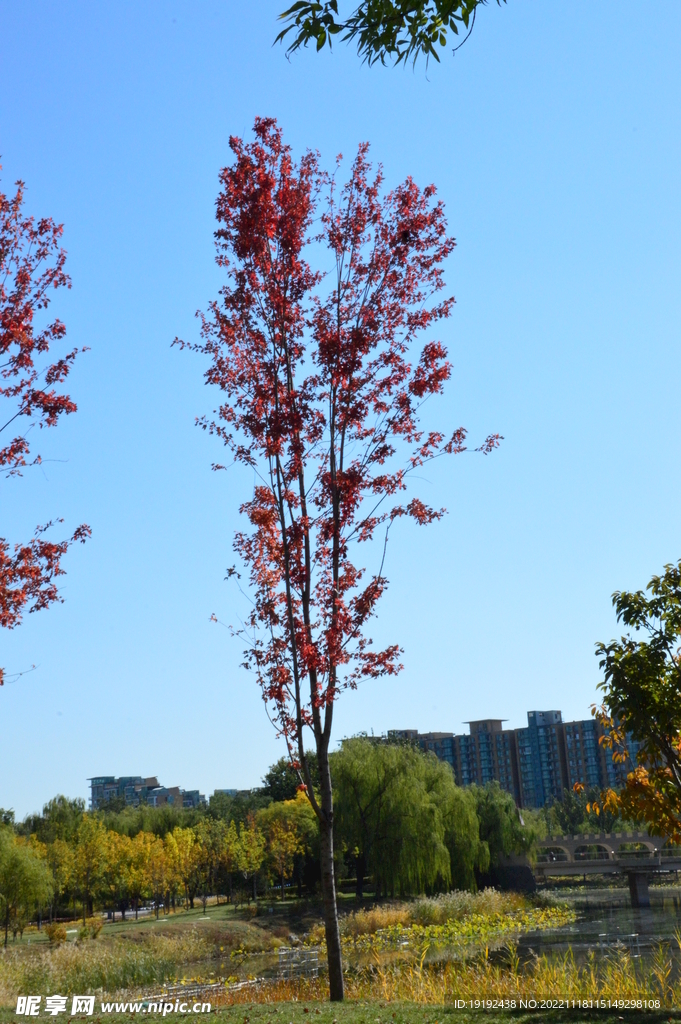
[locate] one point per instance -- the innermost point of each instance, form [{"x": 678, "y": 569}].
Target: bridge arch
[
  {"x": 553, "y": 852},
  {"x": 639, "y": 847},
  {"x": 593, "y": 851}
]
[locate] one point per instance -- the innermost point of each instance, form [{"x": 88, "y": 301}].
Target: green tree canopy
[
  {"x": 384, "y": 30},
  {"x": 401, "y": 814},
  {"x": 282, "y": 781},
  {"x": 145, "y": 818},
  {"x": 642, "y": 699},
  {"x": 60, "y": 819},
  {"x": 25, "y": 880},
  {"x": 500, "y": 826}
]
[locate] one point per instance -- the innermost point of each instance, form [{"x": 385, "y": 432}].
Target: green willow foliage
[{"x": 401, "y": 815}]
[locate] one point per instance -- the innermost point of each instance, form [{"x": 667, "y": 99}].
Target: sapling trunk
[{"x": 332, "y": 931}]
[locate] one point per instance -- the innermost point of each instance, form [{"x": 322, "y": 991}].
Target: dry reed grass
[
  {"x": 368, "y": 922},
  {"x": 451, "y": 906},
  {"x": 615, "y": 977},
  {"x": 87, "y": 967}
]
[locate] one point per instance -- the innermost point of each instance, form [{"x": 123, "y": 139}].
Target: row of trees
[
  {"x": 402, "y": 824},
  {"x": 96, "y": 865}
]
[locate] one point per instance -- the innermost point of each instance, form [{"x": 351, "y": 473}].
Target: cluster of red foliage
[
  {"x": 320, "y": 397},
  {"x": 31, "y": 267}
]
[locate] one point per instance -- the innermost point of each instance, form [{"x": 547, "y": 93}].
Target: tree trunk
[
  {"x": 282, "y": 885},
  {"x": 333, "y": 945},
  {"x": 361, "y": 872},
  {"x": 136, "y": 907}
]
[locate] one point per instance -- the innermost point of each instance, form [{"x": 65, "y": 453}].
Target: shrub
[
  {"x": 56, "y": 933},
  {"x": 367, "y": 922},
  {"x": 451, "y": 906}
]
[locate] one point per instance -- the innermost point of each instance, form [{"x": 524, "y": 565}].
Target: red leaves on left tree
[{"x": 31, "y": 269}]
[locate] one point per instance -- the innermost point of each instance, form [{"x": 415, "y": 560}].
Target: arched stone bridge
[{"x": 636, "y": 854}]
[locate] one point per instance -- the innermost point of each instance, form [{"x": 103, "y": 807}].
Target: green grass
[
  {"x": 377, "y": 1012},
  {"x": 129, "y": 957}
]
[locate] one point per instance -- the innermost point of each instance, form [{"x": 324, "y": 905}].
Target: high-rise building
[
  {"x": 536, "y": 764},
  {"x": 541, "y": 759},
  {"x": 488, "y": 753},
  {"x": 441, "y": 743},
  {"x": 135, "y": 790},
  {"x": 586, "y": 759}
]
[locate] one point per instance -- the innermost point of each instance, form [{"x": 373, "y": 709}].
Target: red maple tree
[
  {"x": 31, "y": 267},
  {"x": 320, "y": 398}
]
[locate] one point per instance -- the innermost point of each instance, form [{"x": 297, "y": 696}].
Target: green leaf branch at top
[{"x": 385, "y": 30}]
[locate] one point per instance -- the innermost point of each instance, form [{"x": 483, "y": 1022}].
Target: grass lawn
[
  {"x": 221, "y": 922},
  {"x": 368, "y": 1012}
]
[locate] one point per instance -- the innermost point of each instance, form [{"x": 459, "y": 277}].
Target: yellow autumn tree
[
  {"x": 140, "y": 879},
  {"x": 89, "y": 860},
  {"x": 185, "y": 861},
  {"x": 115, "y": 882},
  {"x": 252, "y": 845},
  {"x": 158, "y": 871}
]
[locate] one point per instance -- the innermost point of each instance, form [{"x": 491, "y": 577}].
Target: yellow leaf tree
[
  {"x": 140, "y": 879},
  {"x": 61, "y": 862},
  {"x": 185, "y": 861},
  {"x": 252, "y": 846},
  {"x": 115, "y": 881},
  {"x": 89, "y": 860},
  {"x": 158, "y": 871}
]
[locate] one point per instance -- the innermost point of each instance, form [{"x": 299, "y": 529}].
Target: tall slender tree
[
  {"x": 31, "y": 268},
  {"x": 320, "y": 400}
]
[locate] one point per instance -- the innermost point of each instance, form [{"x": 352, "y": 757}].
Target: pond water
[{"x": 605, "y": 917}]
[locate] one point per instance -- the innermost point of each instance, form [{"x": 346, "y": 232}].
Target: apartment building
[
  {"x": 541, "y": 759},
  {"x": 486, "y": 754},
  {"x": 136, "y": 790},
  {"x": 535, "y": 764}
]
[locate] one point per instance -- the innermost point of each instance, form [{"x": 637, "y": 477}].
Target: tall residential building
[
  {"x": 441, "y": 744},
  {"x": 135, "y": 790},
  {"x": 586, "y": 760},
  {"x": 536, "y": 764},
  {"x": 541, "y": 759},
  {"x": 488, "y": 753}
]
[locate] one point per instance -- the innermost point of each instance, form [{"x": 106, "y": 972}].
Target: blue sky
[{"x": 553, "y": 138}]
